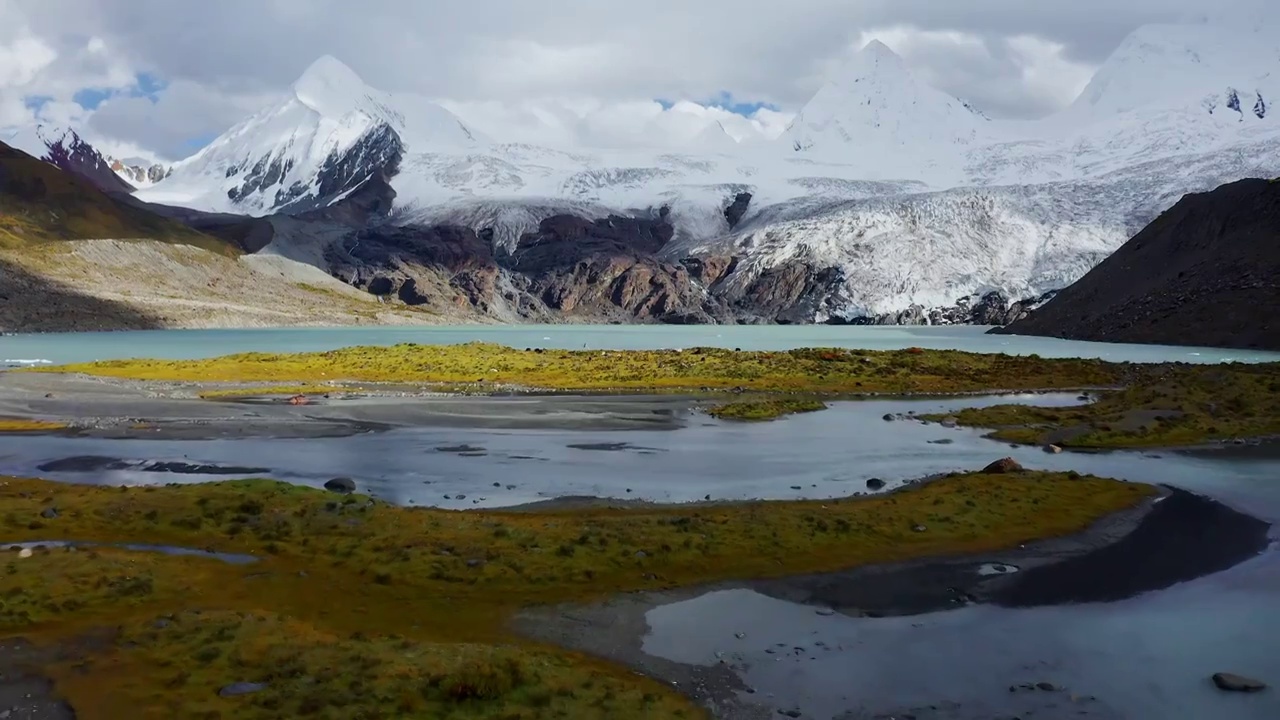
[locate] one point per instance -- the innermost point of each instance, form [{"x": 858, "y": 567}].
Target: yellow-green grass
[
  {"x": 1167, "y": 407},
  {"x": 767, "y": 409},
  {"x": 810, "y": 370},
  {"x": 174, "y": 667},
  {"x": 13, "y": 425},
  {"x": 310, "y": 389},
  {"x": 339, "y": 576}
]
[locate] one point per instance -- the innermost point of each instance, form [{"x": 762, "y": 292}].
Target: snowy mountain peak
[
  {"x": 877, "y": 52},
  {"x": 329, "y": 87},
  {"x": 875, "y": 104},
  {"x": 1160, "y": 67}
]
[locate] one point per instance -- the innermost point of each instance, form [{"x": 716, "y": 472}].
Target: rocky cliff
[{"x": 1206, "y": 272}]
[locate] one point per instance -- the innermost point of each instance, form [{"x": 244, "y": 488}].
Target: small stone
[
  {"x": 919, "y": 528},
  {"x": 497, "y": 485},
  {"x": 790, "y": 713},
  {"x": 1053, "y": 449},
  {"x": 241, "y": 688},
  {"x": 1237, "y": 683},
  {"x": 299, "y": 400},
  {"x": 875, "y": 484},
  {"x": 640, "y": 554},
  {"x": 796, "y": 487},
  {"x": 459, "y": 497},
  {"x": 475, "y": 563},
  {"x": 826, "y": 613},
  {"x": 342, "y": 486},
  {"x": 708, "y": 498},
  {"x": 160, "y": 624},
  {"x": 25, "y": 553},
  {"x": 739, "y": 635},
  {"x": 49, "y": 513},
  {"x": 949, "y": 422},
  {"x": 1046, "y": 686},
  {"x": 889, "y": 418}
]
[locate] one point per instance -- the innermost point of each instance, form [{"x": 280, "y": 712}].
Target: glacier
[{"x": 915, "y": 197}]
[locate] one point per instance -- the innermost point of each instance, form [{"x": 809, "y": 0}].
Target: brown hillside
[{"x": 41, "y": 203}]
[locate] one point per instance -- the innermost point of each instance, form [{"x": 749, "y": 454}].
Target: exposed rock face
[
  {"x": 1206, "y": 272},
  {"x": 576, "y": 265},
  {"x": 738, "y": 208},
  {"x": 711, "y": 269},
  {"x": 990, "y": 309},
  {"x": 793, "y": 292},
  {"x": 378, "y": 151},
  {"x": 77, "y": 156},
  {"x": 138, "y": 173}
]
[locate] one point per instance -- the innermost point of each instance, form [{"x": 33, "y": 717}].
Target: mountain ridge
[
  {"x": 1205, "y": 272},
  {"x": 906, "y": 199}
]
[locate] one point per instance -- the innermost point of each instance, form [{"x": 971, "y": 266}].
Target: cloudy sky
[{"x": 162, "y": 77}]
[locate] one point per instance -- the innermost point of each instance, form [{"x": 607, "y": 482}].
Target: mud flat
[
  {"x": 1173, "y": 539},
  {"x": 124, "y": 409}
]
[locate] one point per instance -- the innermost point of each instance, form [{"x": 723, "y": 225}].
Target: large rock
[
  {"x": 342, "y": 486},
  {"x": 1237, "y": 683},
  {"x": 1003, "y": 466},
  {"x": 733, "y": 214},
  {"x": 409, "y": 295}
]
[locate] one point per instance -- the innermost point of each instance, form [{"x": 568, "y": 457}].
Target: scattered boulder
[
  {"x": 241, "y": 688},
  {"x": 1003, "y": 466},
  {"x": 381, "y": 286},
  {"x": 875, "y": 484},
  {"x": 1237, "y": 683},
  {"x": 889, "y": 417},
  {"x": 342, "y": 486},
  {"x": 949, "y": 422},
  {"x": 299, "y": 400},
  {"x": 919, "y": 528},
  {"x": 1053, "y": 449},
  {"x": 1046, "y": 686},
  {"x": 49, "y": 513},
  {"x": 410, "y": 295}
]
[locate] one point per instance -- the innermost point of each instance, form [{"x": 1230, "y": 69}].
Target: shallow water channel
[{"x": 1148, "y": 657}]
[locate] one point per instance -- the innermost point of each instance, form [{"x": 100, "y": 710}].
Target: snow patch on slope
[{"x": 913, "y": 194}]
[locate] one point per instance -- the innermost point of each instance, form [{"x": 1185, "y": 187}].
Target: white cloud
[{"x": 558, "y": 71}]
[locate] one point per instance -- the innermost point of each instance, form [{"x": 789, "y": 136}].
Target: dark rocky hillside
[{"x": 1206, "y": 272}]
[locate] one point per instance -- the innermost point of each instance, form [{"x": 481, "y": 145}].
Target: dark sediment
[
  {"x": 1184, "y": 537},
  {"x": 94, "y": 463}
]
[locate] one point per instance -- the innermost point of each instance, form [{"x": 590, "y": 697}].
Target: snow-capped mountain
[
  {"x": 909, "y": 196},
  {"x": 313, "y": 146},
  {"x": 64, "y": 148},
  {"x": 875, "y": 106}
]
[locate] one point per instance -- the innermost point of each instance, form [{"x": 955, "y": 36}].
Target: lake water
[
  {"x": 59, "y": 348},
  {"x": 820, "y": 455}
]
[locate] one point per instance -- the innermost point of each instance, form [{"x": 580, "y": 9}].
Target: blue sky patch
[
  {"x": 34, "y": 103},
  {"x": 725, "y": 101},
  {"x": 144, "y": 85}
]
